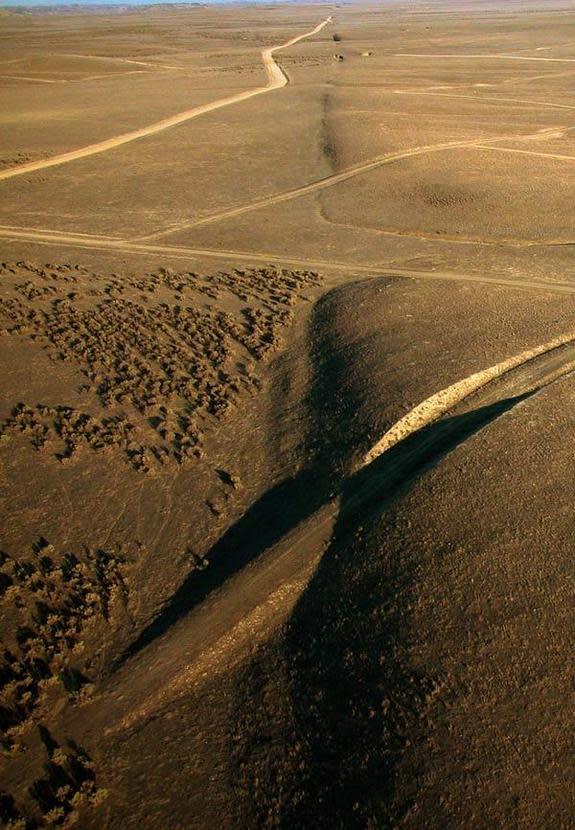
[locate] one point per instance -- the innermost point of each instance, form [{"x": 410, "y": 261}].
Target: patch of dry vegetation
[
  {"x": 144, "y": 367},
  {"x": 53, "y": 603},
  {"x": 168, "y": 352},
  {"x": 65, "y": 430},
  {"x": 14, "y": 159},
  {"x": 67, "y": 787},
  {"x": 57, "y": 609}
]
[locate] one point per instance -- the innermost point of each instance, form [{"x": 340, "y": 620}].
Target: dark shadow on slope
[
  {"x": 392, "y": 473},
  {"x": 284, "y": 507},
  {"x": 338, "y": 417},
  {"x": 353, "y": 695},
  {"x": 266, "y": 522},
  {"x": 292, "y": 501}
]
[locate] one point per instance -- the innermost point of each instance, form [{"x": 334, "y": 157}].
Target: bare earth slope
[{"x": 422, "y": 676}]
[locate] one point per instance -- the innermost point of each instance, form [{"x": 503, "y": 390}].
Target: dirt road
[
  {"x": 276, "y": 80},
  {"x": 313, "y": 187},
  {"x": 366, "y": 167},
  {"x": 106, "y": 243}
]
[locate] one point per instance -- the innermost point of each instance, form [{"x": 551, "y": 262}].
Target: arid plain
[{"x": 287, "y": 318}]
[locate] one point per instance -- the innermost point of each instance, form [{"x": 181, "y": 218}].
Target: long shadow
[
  {"x": 353, "y": 694},
  {"x": 266, "y": 522},
  {"x": 290, "y": 503},
  {"x": 393, "y": 473}
]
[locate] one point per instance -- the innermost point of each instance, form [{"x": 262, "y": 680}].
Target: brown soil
[{"x": 231, "y": 265}]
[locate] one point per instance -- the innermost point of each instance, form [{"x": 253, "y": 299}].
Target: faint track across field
[
  {"x": 363, "y": 168},
  {"x": 312, "y": 187},
  {"x": 107, "y": 243},
  {"x": 485, "y": 57}
]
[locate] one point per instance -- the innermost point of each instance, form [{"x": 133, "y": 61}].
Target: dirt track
[
  {"x": 106, "y": 243},
  {"x": 361, "y": 169},
  {"x": 313, "y": 187},
  {"x": 276, "y": 80},
  {"x": 489, "y": 99},
  {"x": 486, "y": 57}
]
